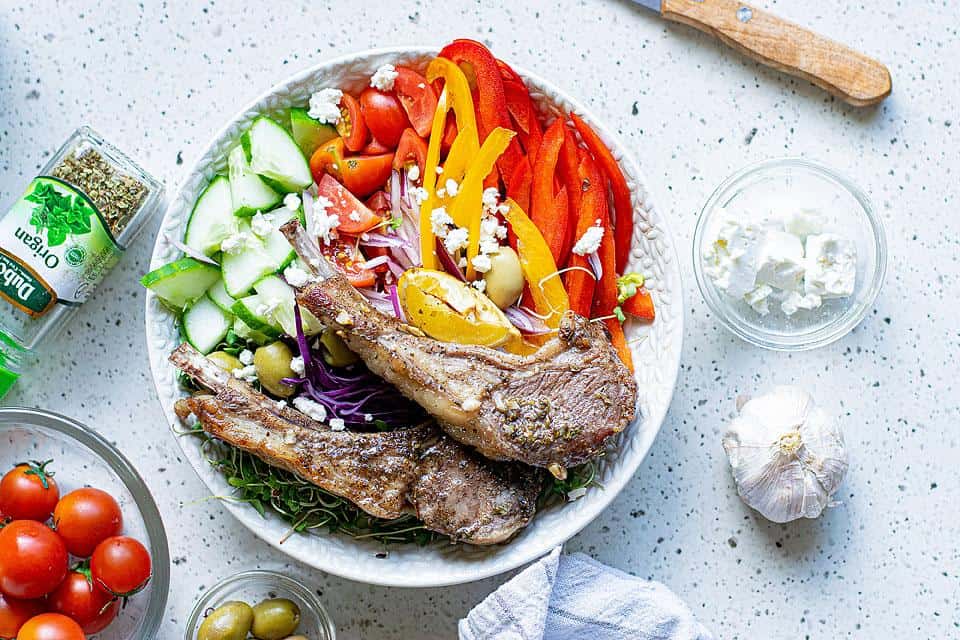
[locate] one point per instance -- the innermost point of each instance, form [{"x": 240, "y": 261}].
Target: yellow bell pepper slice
[
  {"x": 447, "y": 309},
  {"x": 428, "y": 256},
  {"x": 539, "y": 269},
  {"x": 458, "y": 92},
  {"x": 468, "y": 205}
]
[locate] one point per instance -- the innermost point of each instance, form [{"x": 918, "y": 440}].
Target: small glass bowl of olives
[{"x": 263, "y": 605}]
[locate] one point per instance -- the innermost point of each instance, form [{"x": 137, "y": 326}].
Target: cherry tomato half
[
  {"x": 15, "y": 613},
  {"x": 121, "y": 566},
  {"x": 350, "y": 262},
  {"x": 91, "y": 607},
  {"x": 351, "y": 125},
  {"x": 51, "y": 626},
  {"x": 363, "y": 175},
  {"x": 375, "y": 148},
  {"x": 328, "y": 158},
  {"x": 86, "y": 517},
  {"x": 33, "y": 559},
  {"x": 412, "y": 150},
  {"x": 28, "y": 492},
  {"x": 417, "y": 98},
  {"x": 384, "y": 116},
  {"x": 355, "y": 217}
]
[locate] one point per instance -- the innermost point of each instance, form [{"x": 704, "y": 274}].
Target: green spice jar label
[{"x": 54, "y": 248}]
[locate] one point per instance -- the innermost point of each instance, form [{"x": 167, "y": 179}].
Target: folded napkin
[{"x": 574, "y": 597}]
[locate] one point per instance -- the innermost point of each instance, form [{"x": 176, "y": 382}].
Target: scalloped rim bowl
[{"x": 656, "y": 351}]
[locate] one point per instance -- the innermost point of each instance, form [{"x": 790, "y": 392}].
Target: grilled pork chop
[
  {"x": 383, "y": 473},
  {"x": 554, "y": 409}
]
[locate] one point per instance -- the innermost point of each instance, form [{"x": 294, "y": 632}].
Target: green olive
[
  {"x": 272, "y": 363},
  {"x": 230, "y": 621},
  {"x": 504, "y": 278},
  {"x": 275, "y": 619},
  {"x": 335, "y": 350},
  {"x": 225, "y": 361}
]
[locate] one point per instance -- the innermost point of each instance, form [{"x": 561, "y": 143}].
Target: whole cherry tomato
[
  {"x": 51, "y": 626},
  {"x": 14, "y": 613},
  {"x": 28, "y": 492},
  {"x": 417, "y": 98},
  {"x": 121, "y": 566},
  {"x": 33, "y": 559},
  {"x": 351, "y": 125},
  {"x": 384, "y": 116},
  {"x": 77, "y": 597},
  {"x": 86, "y": 517}
]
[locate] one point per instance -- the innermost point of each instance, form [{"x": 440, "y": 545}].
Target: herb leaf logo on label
[{"x": 61, "y": 215}]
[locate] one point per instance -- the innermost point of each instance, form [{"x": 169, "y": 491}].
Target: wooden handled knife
[{"x": 847, "y": 74}]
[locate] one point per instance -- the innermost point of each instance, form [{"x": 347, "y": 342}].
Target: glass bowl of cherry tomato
[{"x": 83, "y": 552}]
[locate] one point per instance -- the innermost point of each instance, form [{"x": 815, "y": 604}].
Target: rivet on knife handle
[{"x": 844, "y": 72}]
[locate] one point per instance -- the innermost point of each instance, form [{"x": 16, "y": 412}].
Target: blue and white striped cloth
[{"x": 572, "y": 597}]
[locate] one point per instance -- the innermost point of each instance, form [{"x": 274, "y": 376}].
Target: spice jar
[{"x": 61, "y": 237}]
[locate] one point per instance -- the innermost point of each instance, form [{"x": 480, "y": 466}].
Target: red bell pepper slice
[
  {"x": 545, "y": 211},
  {"x": 619, "y": 341},
  {"x": 640, "y": 306},
  {"x": 580, "y": 281},
  {"x": 523, "y": 114},
  {"x": 623, "y": 208},
  {"x": 605, "y": 296},
  {"x": 507, "y": 72},
  {"x": 490, "y": 103},
  {"x": 567, "y": 165}
]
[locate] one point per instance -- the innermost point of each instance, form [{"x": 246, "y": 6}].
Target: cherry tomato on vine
[
  {"x": 86, "y": 517},
  {"x": 351, "y": 125},
  {"x": 384, "y": 116},
  {"x": 121, "y": 566},
  {"x": 77, "y": 597},
  {"x": 33, "y": 559},
  {"x": 14, "y": 614},
  {"x": 51, "y": 626},
  {"x": 29, "y": 492}
]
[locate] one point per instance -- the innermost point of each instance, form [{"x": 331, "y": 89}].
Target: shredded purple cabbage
[{"x": 353, "y": 394}]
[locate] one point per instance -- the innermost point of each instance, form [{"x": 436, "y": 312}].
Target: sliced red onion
[
  {"x": 525, "y": 322},
  {"x": 382, "y": 240},
  {"x": 395, "y": 301},
  {"x": 595, "y": 264},
  {"x": 190, "y": 251},
  {"x": 396, "y": 268},
  {"x": 446, "y": 261},
  {"x": 378, "y": 300},
  {"x": 373, "y": 263}
]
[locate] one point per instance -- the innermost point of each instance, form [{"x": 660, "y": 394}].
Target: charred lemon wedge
[{"x": 452, "y": 311}]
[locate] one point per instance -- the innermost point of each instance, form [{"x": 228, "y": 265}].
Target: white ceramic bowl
[{"x": 656, "y": 352}]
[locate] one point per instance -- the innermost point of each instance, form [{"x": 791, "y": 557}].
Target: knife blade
[{"x": 844, "y": 72}]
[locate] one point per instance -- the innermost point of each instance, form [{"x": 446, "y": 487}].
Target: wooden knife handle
[{"x": 847, "y": 74}]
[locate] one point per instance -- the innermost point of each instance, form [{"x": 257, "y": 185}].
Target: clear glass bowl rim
[
  {"x": 284, "y": 582},
  {"x": 842, "y": 325},
  {"x": 118, "y": 463}
]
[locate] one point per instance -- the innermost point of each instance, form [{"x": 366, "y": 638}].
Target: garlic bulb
[{"x": 788, "y": 456}]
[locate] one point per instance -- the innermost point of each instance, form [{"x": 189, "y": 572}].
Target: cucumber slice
[
  {"x": 248, "y": 192},
  {"x": 308, "y": 133},
  {"x": 244, "y": 331},
  {"x": 273, "y": 289},
  {"x": 212, "y": 218},
  {"x": 260, "y": 257},
  {"x": 219, "y": 296},
  {"x": 181, "y": 282},
  {"x": 250, "y": 309},
  {"x": 205, "y": 324},
  {"x": 274, "y": 155},
  {"x": 276, "y": 244}
]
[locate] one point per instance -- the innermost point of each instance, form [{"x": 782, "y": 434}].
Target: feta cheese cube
[
  {"x": 831, "y": 266},
  {"x": 780, "y": 261}
]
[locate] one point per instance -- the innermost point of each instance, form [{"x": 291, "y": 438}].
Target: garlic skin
[{"x": 787, "y": 455}]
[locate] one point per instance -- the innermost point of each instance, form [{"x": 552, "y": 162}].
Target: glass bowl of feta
[{"x": 789, "y": 254}]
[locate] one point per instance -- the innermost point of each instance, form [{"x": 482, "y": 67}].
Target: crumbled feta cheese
[
  {"x": 576, "y": 494},
  {"x": 831, "y": 266},
  {"x": 589, "y": 242},
  {"x": 440, "y": 221},
  {"x": 413, "y": 173},
  {"x": 297, "y": 277},
  {"x": 384, "y": 77},
  {"x": 246, "y": 357},
  {"x": 758, "y": 299},
  {"x": 804, "y": 222},
  {"x": 367, "y": 417},
  {"x": 439, "y": 169},
  {"x": 419, "y": 195},
  {"x": 731, "y": 260},
  {"x": 488, "y": 247},
  {"x": 291, "y": 201},
  {"x": 325, "y": 106},
  {"x": 462, "y": 262},
  {"x": 456, "y": 239},
  {"x": 247, "y": 373},
  {"x": 261, "y": 224},
  {"x": 780, "y": 261},
  {"x": 337, "y": 424},
  {"x": 310, "y": 408},
  {"x": 491, "y": 198},
  {"x": 479, "y": 285},
  {"x": 441, "y": 193},
  {"x": 354, "y": 216},
  {"x": 236, "y": 243},
  {"x": 452, "y": 187},
  {"x": 325, "y": 225},
  {"x": 281, "y": 405},
  {"x": 296, "y": 365},
  {"x": 793, "y": 302},
  {"x": 481, "y": 263}
]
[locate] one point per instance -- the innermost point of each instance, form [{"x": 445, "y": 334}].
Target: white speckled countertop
[{"x": 159, "y": 78}]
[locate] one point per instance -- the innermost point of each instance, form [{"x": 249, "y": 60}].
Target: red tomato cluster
[{"x": 41, "y": 596}]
